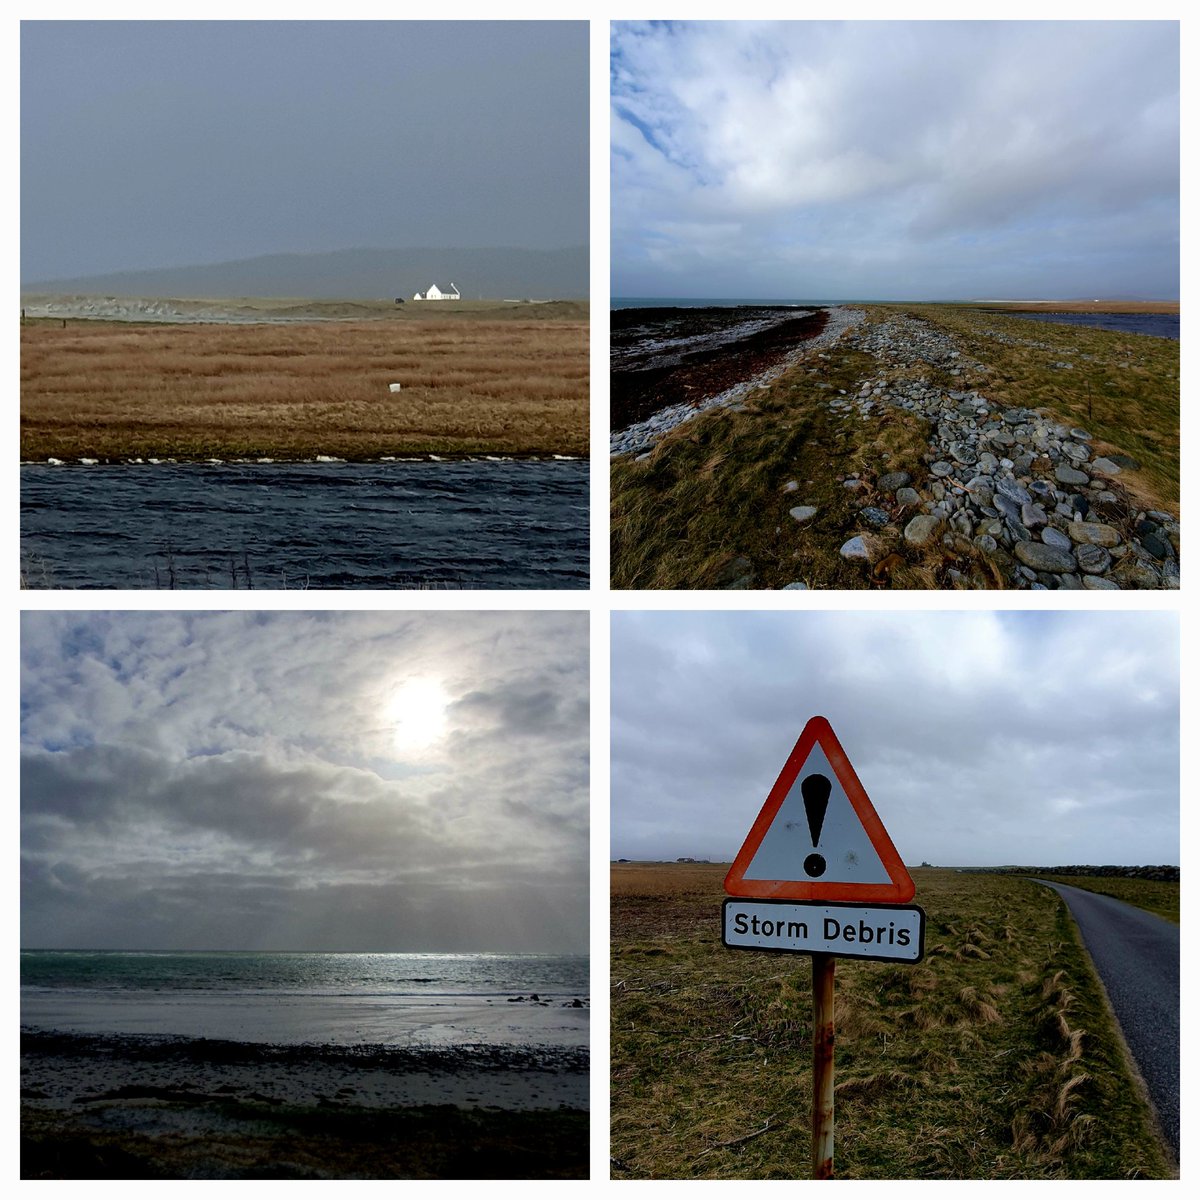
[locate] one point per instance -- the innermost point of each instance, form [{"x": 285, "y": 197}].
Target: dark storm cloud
[
  {"x": 916, "y": 159},
  {"x": 161, "y": 143},
  {"x": 240, "y": 776},
  {"x": 981, "y": 738}
]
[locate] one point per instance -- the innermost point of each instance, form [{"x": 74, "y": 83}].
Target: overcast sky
[
  {"x": 298, "y": 781},
  {"x": 157, "y": 144},
  {"x": 905, "y": 160},
  {"x": 1040, "y": 739}
]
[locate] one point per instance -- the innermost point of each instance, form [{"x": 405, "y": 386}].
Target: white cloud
[
  {"x": 981, "y": 737},
  {"x": 203, "y": 756},
  {"x": 837, "y": 145}
]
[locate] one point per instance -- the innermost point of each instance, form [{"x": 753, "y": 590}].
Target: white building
[{"x": 436, "y": 293}]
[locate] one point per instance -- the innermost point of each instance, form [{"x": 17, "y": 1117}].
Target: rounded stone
[
  {"x": 802, "y": 512},
  {"x": 1106, "y": 466},
  {"x": 1093, "y": 560},
  {"x": 1033, "y": 516},
  {"x": 907, "y": 495},
  {"x": 855, "y": 550},
  {"x": 921, "y": 529},
  {"x": 1056, "y": 538},
  {"x": 874, "y": 516},
  {"x": 1041, "y": 557},
  {"x": 1158, "y": 546},
  {"x": 942, "y": 469},
  {"x": 894, "y": 480},
  {"x": 1099, "y": 583},
  {"x": 1065, "y": 474},
  {"x": 1094, "y": 533}
]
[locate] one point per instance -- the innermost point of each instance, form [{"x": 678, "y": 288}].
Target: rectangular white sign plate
[{"x": 886, "y": 932}]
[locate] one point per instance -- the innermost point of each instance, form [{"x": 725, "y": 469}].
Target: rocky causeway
[{"x": 1026, "y": 490}]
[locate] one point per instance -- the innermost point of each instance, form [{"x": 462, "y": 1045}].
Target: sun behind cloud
[{"x": 417, "y": 711}]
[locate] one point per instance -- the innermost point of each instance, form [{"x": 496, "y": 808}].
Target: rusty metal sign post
[{"x": 815, "y": 853}]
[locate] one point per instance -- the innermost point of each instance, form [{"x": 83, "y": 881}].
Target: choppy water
[
  {"x": 382, "y": 999},
  {"x": 476, "y": 524}
]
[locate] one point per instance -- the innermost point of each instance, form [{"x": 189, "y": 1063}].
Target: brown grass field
[
  {"x": 479, "y": 384},
  {"x": 993, "y": 1058}
]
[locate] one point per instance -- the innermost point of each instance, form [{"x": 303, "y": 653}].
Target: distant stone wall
[{"x": 1162, "y": 874}]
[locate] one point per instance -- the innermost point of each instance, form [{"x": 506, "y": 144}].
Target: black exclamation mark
[{"x": 815, "y": 789}]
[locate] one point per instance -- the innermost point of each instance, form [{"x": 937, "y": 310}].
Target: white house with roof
[{"x": 436, "y": 293}]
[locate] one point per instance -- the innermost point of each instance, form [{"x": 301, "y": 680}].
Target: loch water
[
  {"x": 416, "y": 524},
  {"x": 1163, "y": 325}
]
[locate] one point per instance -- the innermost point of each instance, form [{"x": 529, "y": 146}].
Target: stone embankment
[
  {"x": 639, "y": 438},
  {"x": 1028, "y": 491},
  {"x": 1162, "y": 874}
]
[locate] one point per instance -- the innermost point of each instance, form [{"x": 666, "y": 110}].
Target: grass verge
[
  {"x": 1162, "y": 899},
  {"x": 994, "y": 1058}
]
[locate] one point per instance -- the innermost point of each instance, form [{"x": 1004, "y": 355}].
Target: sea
[
  {"x": 501, "y": 523},
  {"x": 382, "y": 1000},
  {"x": 1164, "y": 325}
]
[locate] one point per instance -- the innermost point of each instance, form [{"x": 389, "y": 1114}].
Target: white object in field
[{"x": 393, "y": 387}]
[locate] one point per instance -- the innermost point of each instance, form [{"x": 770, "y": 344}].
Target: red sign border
[{"x": 900, "y": 890}]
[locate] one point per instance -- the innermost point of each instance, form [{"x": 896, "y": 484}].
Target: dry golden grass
[
  {"x": 993, "y": 1058},
  {"x": 113, "y": 391}
]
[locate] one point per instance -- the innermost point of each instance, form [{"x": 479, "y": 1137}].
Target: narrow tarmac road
[{"x": 1137, "y": 958}]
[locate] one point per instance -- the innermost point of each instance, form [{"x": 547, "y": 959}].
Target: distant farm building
[{"x": 436, "y": 293}]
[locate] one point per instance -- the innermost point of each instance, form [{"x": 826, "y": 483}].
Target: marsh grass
[
  {"x": 117, "y": 391},
  {"x": 707, "y": 508},
  {"x": 993, "y": 1058}
]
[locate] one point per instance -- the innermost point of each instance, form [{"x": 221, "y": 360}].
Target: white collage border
[{"x": 599, "y": 600}]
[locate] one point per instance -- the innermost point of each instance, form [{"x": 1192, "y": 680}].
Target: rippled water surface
[
  {"x": 478, "y": 524},
  {"x": 1164, "y": 325},
  {"x": 383, "y": 999}
]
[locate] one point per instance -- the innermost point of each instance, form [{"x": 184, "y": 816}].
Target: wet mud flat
[
  {"x": 665, "y": 356},
  {"x": 161, "y": 1108}
]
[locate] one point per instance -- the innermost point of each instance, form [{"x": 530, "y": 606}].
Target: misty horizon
[{"x": 150, "y": 144}]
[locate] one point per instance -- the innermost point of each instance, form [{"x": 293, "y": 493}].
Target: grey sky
[
  {"x": 907, "y": 160},
  {"x": 361, "y": 781},
  {"x": 153, "y": 144},
  {"x": 983, "y": 738}
]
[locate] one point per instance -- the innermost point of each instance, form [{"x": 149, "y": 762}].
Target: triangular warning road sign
[{"x": 818, "y": 836}]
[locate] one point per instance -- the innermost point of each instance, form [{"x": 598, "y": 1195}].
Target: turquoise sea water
[{"x": 386, "y": 999}]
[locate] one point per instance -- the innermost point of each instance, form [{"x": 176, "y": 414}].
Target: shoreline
[
  {"x": 641, "y": 436},
  {"x": 320, "y": 459},
  {"x": 178, "y": 1107}
]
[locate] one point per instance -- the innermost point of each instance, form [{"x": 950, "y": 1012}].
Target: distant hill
[{"x": 493, "y": 274}]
